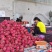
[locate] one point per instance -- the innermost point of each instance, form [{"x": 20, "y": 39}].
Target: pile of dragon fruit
[{"x": 14, "y": 37}]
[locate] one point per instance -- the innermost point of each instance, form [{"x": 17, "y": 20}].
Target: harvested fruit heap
[{"x": 14, "y": 37}]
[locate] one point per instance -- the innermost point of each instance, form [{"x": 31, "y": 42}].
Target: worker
[
  {"x": 18, "y": 20},
  {"x": 39, "y": 27}
]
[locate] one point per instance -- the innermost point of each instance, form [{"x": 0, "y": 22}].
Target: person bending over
[{"x": 39, "y": 26}]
